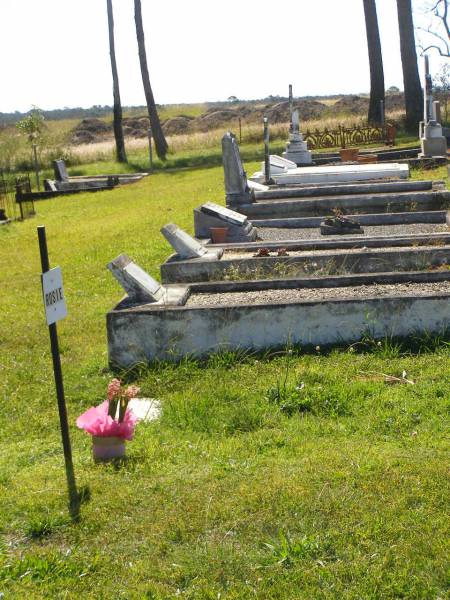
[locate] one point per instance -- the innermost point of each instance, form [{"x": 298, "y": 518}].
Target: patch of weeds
[
  {"x": 38, "y": 527},
  {"x": 331, "y": 400},
  {"x": 226, "y": 359},
  {"x": 387, "y": 347},
  {"x": 47, "y": 567},
  {"x": 326, "y": 401},
  {"x": 286, "y": 552}
]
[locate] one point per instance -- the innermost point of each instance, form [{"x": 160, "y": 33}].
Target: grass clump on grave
[{"x": 227, "y": 493}]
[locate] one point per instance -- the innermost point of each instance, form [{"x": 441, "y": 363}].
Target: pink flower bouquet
[{"x": 111, "y": 418}]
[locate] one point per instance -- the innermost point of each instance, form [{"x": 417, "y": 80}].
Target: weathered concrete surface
[
  {"x": 332, "y": 261},
  {"x": 377, "y": 241},
  {"x": 339, "y": 173},
  {"x": 430, "y": 216},
  {"x": 347, "y": 189},
  {"x": 324, "y": 205},
  {"x": 143, "y": 333}
]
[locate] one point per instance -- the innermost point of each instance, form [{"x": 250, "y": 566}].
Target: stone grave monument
[
  {"x": 138, "y": 284},
  {"x": 236, "y": 187},
  {"x": 213, "y": 215},
  {"x": 297, "y": 149},
  {"x": 432, "y": 140}
]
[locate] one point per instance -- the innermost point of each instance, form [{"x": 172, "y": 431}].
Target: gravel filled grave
[
  {"x": 236, "y": 254},
  {"x": 309, "y": 233},
  {"x": 274, "y": 296}
]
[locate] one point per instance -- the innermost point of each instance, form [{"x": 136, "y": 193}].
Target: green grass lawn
[{"x": 335, "y": 490}]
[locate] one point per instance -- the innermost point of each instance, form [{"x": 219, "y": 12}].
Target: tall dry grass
[
  {"x": 188, "y": 142},
  {"x": 15, "y": 154}
]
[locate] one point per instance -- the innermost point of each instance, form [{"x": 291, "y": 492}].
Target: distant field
[{"x": 186, "y": 149}]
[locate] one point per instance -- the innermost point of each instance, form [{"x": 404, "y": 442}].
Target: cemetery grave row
[{"x": 381, "y": 269}]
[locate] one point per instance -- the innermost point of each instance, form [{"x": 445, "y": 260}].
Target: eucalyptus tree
[
  {"x": 157, "y": 132},
  {"x": 411, "y": 79},
  {"x": 118, "y": 130},
  {"x": 375, "y": 62}
]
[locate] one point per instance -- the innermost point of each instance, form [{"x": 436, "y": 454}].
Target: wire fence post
[{"x": 36, "y": 167}]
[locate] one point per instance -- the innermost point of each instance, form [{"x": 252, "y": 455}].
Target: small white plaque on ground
[
  {"x": 145, "y": 409},
  {"x": 53, "y": 295}
]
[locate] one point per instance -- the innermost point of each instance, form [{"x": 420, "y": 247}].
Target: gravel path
[
  {"x": 281, "y": 296},
  {"x": 273, "y": 234}
]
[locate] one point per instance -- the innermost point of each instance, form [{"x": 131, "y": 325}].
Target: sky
[{"x": 55, "y": 53}]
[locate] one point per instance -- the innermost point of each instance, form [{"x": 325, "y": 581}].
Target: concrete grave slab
[
  {"x": 278, "y": 165},
  {"x": 339, "y": 173},
  {"x": 257, "y": 315},
  {"x": 242, "y": 264}
]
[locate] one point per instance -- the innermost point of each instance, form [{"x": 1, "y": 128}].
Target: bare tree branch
[{"x": 443, "y": 18}]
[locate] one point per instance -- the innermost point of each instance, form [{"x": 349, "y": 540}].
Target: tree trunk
[
  {"x": 157, "y": 132},
  {"x": 411, "y": 80},
  {"x": 118, "y": 131},
  {"x": 375, "y": 62}
]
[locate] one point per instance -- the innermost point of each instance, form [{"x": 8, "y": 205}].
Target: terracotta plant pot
[
  {"x": 218, "y": 234},
  {"x": 368, "y": 159},
  {"x": 349, "y": 154},
  {"x": 107, "y": 448}
]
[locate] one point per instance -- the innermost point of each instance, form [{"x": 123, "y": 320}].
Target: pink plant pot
[{"x": 107, "y": 448}]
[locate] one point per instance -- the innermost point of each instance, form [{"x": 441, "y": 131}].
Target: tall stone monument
[
  {"x": 296, "y": 148},
  {"x": 236, "y": 187},
  {"x": 432, "y": 140}
]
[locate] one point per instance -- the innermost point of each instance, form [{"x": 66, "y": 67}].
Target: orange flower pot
[{"x": 219, "y": 234}]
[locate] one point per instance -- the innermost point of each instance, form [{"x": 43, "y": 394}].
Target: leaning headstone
[
  {"x": 213, "y": 215},
  {"x": 186, "y": 246},
  {"x": 236, "y": 188},
  {"x": 59, "y": 167},
  {"x": 138, "y": 284},
  {"x": 183, "y": 244},
  {"x": 296, "y": 148}
]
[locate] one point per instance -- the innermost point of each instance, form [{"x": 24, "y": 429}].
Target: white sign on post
[{"x": 53, "y": 294}]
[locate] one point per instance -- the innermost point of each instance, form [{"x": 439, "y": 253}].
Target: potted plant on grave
[{"x": 111, "y": 423}]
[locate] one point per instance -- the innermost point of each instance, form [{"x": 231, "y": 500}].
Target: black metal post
[
  {"x": 266, "y": 151},
  {"x": 240, "y": 130},
  {"x": 291, "y": 107},
  {"x": 74, "y": 499}
]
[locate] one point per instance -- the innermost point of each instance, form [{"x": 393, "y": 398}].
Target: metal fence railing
[{"x": 11, "y": 207}]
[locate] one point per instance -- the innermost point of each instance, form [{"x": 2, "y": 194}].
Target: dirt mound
[
  {"x": 308, "y": 109},
  {"x": 214, "y": 119},
  {"x": 136, "y": 127},
  {"x": 177, "y": 125},
  {"x": 351, "y": 104},
  {"x": 83, "y": 137},
  {"x": 90, "y": 130}
]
